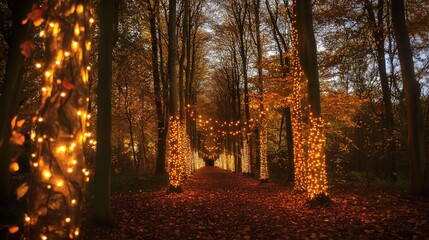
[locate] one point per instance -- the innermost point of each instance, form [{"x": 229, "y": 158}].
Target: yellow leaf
[
  {"x": 13, "y": 167},
  {"x": 21, "y": 190}
]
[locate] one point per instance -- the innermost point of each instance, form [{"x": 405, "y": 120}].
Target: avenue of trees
[{"x": 292, "y": 91}]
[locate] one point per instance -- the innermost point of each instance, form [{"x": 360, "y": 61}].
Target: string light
[
  {"x": 58, "y": 184},
  {"x": 263, "y": 150},
  {"x": 175, "y": 160},
  {"x": 298, "y": 138}
]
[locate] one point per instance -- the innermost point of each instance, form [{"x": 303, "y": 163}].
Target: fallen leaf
[
  {"x": 13, "y": 167},
  {"x": 35, "y": 15},
  {"x": 13, "y": 229},
  {"x": 17, "y": 138}
]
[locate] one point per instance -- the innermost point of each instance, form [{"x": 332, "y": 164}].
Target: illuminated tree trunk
[
  {"x": 416, "y": 140},
  {"x": 102, "y": 204},
  {"x": 11, "y": 89},
  {"x": 298, "y": 134},
  {"x": 175, "y": 164},
  {"x": 316, "y": 166},
  {"x": 56, "y": 193}
]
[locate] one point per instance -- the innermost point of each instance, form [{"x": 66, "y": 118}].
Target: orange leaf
[
  {"x": 26, "y": 48},
  {"x": 17, "y": 138},
  {"x": 36, "y": 15},
  {"x": 67, "y": 85}
]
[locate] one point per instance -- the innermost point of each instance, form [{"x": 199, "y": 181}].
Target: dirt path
[{"x": 217, "y": 204}]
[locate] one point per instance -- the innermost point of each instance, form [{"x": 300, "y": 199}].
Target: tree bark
[
  {"x": 416, "y": 141},
  {"x": 388, "y": 121},
  {"x": 102, "y": 203},
  {"x": 161, "y": 141}
]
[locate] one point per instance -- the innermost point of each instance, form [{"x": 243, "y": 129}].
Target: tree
[
  {"x": 377, "y": 27},
  {"x": 59, "y": 172},
  {"x": 416, "y": 136},
  {"x": 176, "y": 166},
  {"x": 317, "y": 179},
  {"x": 153, "y": 11},
  {"x": 102, "y": 211}
]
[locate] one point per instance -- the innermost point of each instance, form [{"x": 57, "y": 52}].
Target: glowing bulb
[
  {"x": 44, "y": 237},
  {"x": 46, "y": 174},
  {"x": 51, "y": 24},
  {"x": 44, "y": 89},
  {"x": 35, "y": 164},
  {"x": 40, "y": 119},
  {"x": 76, "y": 232},
  {"x": 68, "y": 220},
  {"x": 40, "y": 140},
  {"x": 91, "y": 20},
  {"x": 27, "y": 218},
  {"x": 60, "y": 183},
  {"x": 38, "y": 65},
  {"x": 79, "y": 113},
  {"x": 73, "y": 202},
  {"x": 57, "y": 62},
  {"x": 47, "y": 74},
  {"x": 69, "y": 170},
  {"x": 74, "y": 161},
  {"x": 62, "y": 94},
  {"x": 66, "y": 54},
  {"x": 42, "y": 33},
  {"x": 61, "y": 149}
]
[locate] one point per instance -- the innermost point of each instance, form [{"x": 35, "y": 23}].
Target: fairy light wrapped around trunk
[
  {"x": 264, "y": 136},
  {"x": 176, "y": 166},
  {"x": 317, "y": 183},
  {"x": 298, "y": 134},
  {"x": 245, "y": 160},
  {"x": 59, "y": 172}
]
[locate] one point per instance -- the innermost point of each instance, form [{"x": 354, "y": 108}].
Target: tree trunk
[
  {"x": 316, "y": 166},
  {"x": 102, "y": 203},
  {"x": 11, "y": 89},
  {"x": 289, "y": 142},
  {"x": 388, "y": 120},
  {"x": 161, "y": 143},
  {"x": 416, "y": 141}
]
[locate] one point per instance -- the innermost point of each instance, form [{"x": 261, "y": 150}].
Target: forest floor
[{"x": 217, "y": 204}]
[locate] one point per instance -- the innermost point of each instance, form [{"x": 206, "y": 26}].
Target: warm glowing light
[
  {"x": 44, "y": 89},
  {"x": 42, "y": 33},
  {"x": 79, "y": 113},
  {"x": 57, "y": 62},
  {"x": 38, "y": 65},
  {"x": 47, "y": 74},
  {"x": 44, "y": 237},
  {"x": 73, "y": 202},
  {"x": 69, "y": 170},
  {"x": 36, "y": 164},
  {"x": 27, "y": 218},
  {"x": 40, "y": 119},
  {"x": 76, "y": 232},
  {"x": 66, "y": 54},
  {"x": 46, "y": 174},
  {"x": 61, "y": 149},
  {"x": 67, "y": 220},
  {"x": 62, "y": 94},
  {"x": 74, "y": 161},
  {"x": 91, "y": 20},
  {"x": 40, "y": 140},
  {"x": 60, "y": 183}
]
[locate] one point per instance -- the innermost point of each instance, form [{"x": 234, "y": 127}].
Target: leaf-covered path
[{"x": 217, "y": 204}]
